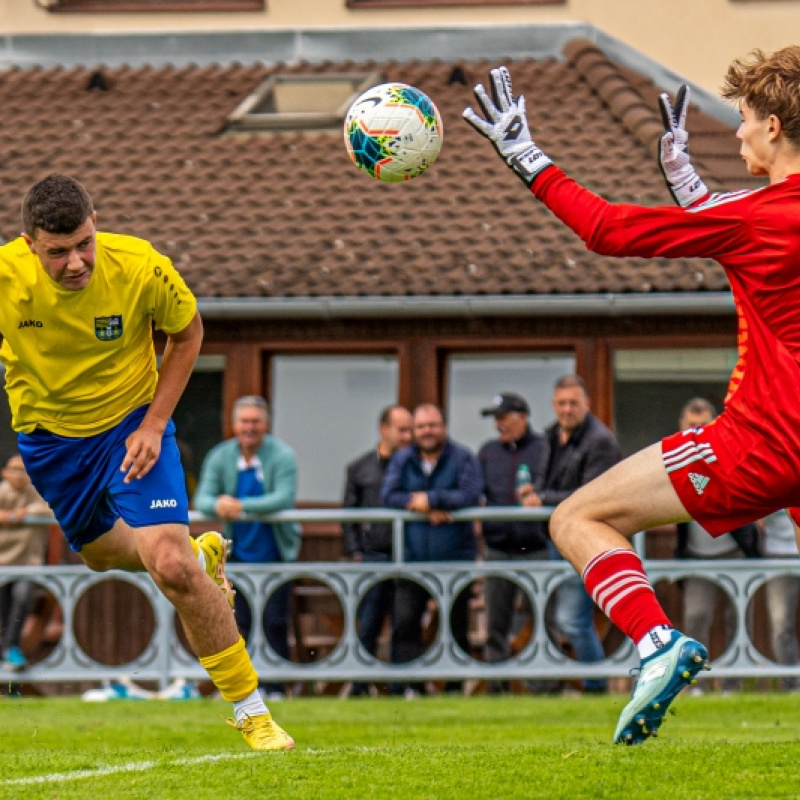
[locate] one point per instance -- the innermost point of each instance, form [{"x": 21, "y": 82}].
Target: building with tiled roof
[
  {"x": 334, "y": 295},
  {"x": 299, "y": 259}
]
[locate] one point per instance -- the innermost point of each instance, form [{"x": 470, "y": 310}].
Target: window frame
[
  {"x": 245, "y": 118},
  {"x": 142, "y": 6},
  {"x": 369, "y": 4}
]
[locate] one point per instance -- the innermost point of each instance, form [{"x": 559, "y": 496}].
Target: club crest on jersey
[{"x": 106, "y": 329}]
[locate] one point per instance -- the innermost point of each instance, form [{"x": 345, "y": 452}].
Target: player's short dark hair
[
  {"x": 769, "y": 84},
  {"x": 56, "y": 204},
  {"x": 570, "y": 381}
]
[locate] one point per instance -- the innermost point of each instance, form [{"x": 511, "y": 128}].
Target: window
[
  {"x": 651, "y": 387},
  {"x": 440, "y": 3},
  {"x": 473, "y": 380},
  {"x": 198, "y": 416},
  {"x": 295, "y": 100},
  {"x": 105, "y": 6},
  {"x": 327, "y": 409}
]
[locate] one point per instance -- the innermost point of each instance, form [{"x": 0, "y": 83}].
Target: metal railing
[{"x": 345, "y": 584}]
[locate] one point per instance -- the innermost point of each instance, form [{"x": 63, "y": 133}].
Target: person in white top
[
  {"x": 782, "y": 593},
  {"x": 701, "y": 596}
]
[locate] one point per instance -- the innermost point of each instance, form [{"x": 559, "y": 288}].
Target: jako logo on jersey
[
  {"x": 106, "y": 329},
  {"x": 170, "y": 503},
  {"x": 699, "y": 482},
  {"x": 29, "y": 323}
]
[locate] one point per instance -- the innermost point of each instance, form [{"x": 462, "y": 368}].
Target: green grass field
[{"x": 743, "y": 746}]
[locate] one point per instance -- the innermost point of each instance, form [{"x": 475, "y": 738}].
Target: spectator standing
[
  {"x": 255, "y": 473},
  {"x": 433, "y": 476},
  {"x": 700, "y": 596},
  {"x": 20, "y": 546},
  {"x": 509, "y": 464},
  {"x": 782, "y": 592},
  {"x": 371, "y": 542},
  {"x": 580, "y": 448}
]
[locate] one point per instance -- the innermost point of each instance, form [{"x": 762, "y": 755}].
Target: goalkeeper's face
[
  {"x": 67, "y": 258},
  {"x": 757, "y": 137}
]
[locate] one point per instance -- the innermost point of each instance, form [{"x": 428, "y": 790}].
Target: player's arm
[
  {"x": 180, "y": 354},
  {"x": 606, "y": 228},
  {"x": 684, "y": 184}
]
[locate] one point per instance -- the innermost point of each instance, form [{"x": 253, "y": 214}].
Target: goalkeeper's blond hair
[{"x": 769, "y": 84}]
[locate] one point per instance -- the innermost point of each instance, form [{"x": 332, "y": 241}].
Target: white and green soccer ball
[{"x": 393, "y": 132}]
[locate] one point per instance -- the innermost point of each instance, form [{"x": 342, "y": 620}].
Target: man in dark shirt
[
  {"x": 580, "y": 448},
  {"x": 509, "y": 463},
  {"x": 372, "y": 541}
]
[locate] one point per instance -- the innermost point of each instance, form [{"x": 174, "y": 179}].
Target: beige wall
[{"x": 695, "y": 38}]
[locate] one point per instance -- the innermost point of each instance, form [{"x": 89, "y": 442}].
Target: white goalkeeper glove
[
  {"x": 673, "y": 155},
  {"x": 506, "y": 127}
]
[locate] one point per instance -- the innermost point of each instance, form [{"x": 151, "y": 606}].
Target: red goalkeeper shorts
[{"x": 727, "y": 476}]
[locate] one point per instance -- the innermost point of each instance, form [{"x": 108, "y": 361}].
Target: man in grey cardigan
[{"x": 254, "y": 473}]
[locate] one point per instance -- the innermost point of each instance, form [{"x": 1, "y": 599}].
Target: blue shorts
[{"x": 81, "y": 480}]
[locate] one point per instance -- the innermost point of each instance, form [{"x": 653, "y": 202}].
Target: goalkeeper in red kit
[{"x": 746, "y": 464}]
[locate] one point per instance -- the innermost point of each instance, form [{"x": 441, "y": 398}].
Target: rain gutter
[{"x": 578, "y": 305}]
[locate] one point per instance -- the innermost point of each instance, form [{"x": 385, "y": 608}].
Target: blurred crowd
[{"x": 416, "y": 466}]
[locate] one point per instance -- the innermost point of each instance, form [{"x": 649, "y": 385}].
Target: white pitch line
[{"x": 133, "y": 766}]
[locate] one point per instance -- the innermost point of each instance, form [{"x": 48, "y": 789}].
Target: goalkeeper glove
[
  {"x": 506, "y": 127},
  {"x": 673, "y": 156}
]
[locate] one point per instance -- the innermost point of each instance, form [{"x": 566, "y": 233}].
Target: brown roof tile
[{"x": 283, "y": 215}]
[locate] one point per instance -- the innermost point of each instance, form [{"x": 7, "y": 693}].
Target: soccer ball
[{"x": 393, "y": 132}]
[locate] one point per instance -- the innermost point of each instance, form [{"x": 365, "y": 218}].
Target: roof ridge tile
[{"x": 616, "y": 90}]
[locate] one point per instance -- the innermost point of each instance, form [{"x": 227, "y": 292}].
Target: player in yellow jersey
[{"x": 93, "y": 418}]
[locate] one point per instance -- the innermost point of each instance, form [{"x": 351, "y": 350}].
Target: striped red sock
[{"x": 617, "y": 582}]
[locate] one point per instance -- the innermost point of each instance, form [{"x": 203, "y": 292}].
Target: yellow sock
[{"x": 232, "y": 672}]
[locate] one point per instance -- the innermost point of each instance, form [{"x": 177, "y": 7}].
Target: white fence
[{"x": 343, "y": 584}]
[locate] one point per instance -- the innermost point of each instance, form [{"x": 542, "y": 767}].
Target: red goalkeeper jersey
[{"x": 755, "y": 236}]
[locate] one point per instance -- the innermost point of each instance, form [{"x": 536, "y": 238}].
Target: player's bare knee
[
  {"x": 170, "y": 569},
  {"x": 562, "y": 521}
]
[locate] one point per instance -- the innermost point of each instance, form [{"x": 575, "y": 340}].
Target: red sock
[{"x": 617, "y": 582}]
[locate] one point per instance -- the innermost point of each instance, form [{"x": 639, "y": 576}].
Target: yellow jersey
[{"x": 78, "y": 362}]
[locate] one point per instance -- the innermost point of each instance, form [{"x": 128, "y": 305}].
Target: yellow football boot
[
  {"x": 213, "y": 552},
  {"x": 263, "y": 733}
]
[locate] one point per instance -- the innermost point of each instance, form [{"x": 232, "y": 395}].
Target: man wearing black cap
[
  {"x": 510, "y": 465},
  {"x": 579, "y": 448}
]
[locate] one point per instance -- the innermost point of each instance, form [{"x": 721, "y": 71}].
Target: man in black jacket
[
  {"x": 510, "y": 464},
  {"x": 372, "y": 541},
  {"x": 579, "y": 448}
]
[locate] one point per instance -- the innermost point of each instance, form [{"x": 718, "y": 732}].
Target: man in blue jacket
[
  {"x": 254, "y": 473},
  {"x": 433, "y": 476}
]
